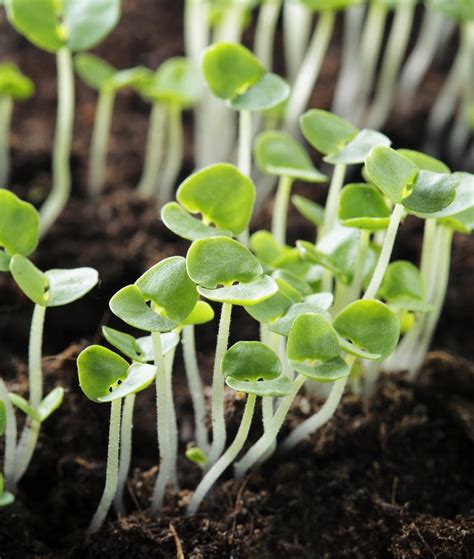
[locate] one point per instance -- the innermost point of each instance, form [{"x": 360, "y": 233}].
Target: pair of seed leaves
[
  {"x": 55, "y": 24},
  {"x": 13, "y": 83}
]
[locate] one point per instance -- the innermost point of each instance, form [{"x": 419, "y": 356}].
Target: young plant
[
  {"x": 254, "y": 369},
  {"x": 13, "y": 86},
  {"x": 105, "y": 377},
  {"x": 171, "y": 89},
  {"x": 278, "y": 154},
  {"x": 107, "y": 80},
  {"x": 64, "y": 27}
]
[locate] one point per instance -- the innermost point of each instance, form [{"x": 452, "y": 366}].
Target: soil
[{"x": 388, "y": 477}]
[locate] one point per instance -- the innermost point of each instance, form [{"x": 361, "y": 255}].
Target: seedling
[
  {"x": 107, "y": 80},
  {"x": 63, "y": 27},
  {"x": 278, "y": 154},
  {"x": 13, "y": 86}
]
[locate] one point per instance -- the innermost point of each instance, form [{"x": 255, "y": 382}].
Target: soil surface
[{"x": 388, "y": 477}]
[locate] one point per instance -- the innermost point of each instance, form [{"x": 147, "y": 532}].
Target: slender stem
[
  {"x": 26, "y": 447},
  {"x": 265, "y": 31},
  {"x": 255, "y": 453},
  {"x": 245, "y": 142},
  {"x": 61, "y": 189},
  {"x": 393, "y": 57},
  {"x": 332, "y": 202},
  {"x": 111, "y": 475},
  {"x": 163, "y": 427},
  {"x": 280, "y": 210},
  {"x": 297, "y": 20},
  {"x": 154, "y": 150},
  {"x": 100, "y": 139},
  {"x": 174, "y": 159},
  {"x": 309, "y": 70},
  {"x": 195, "y": 387},
  {"x": 173, "y": 424},
  {"x": 385, "y": 253},
  {"x": 125, "y": 452},
  {"x": 427, "y": 251},
  {"x": 217, "y": 405},
  {"x": 267, "y": 416},
  {"x": 226, "y": 459},
  {"x": 9, "y": 458},
  {"x": 6, "y": 109}
]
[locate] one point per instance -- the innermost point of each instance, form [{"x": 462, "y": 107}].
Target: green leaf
[
  {"x": 431, "y": 192},
  {"x": 130, "y": 305},
  {"x": 6, "y": 498},
  {"x": 277, "y": 153},
  {"x": 325, "y": 131},
  {"x": 391, "y": 172},
  {"x": 169, "y": 340},
  {"x": 276, "y": 388},
  {"x": 13, "y": 83},
  {"x": 321, "y": 5},
  {"x": 170, "y": 288},
  {"x": 30, "y": 280},
  {"x": 124, "y": 342},
  {"x": 296, "y": 282},
  {"x": 196, "y": 455},
  {"x": 50, "y": 404},
  {"x": 283, "y": 325},
  {"x": 221, "y": 261},
  {"x": 92, "y": 70},
  {"x": 326, "y": 371},
  {"x": 230, "y": 69},
  {"x": 222, "y": 194},
  {"x": 19, "y": 225},
  {"x": 250, "y": 361},
  {"x": 178, "y": 220},
  {"x": 459, "y": 10},
  {"x": 363, "y": 206},
  {"x": 424, "y": 162},
  {"x": 369, "y": 325},
  {"x": 201, "y": 314},
  {"x": 242, "y": 293},
  {"x": 266, "y": 248},
  {"x": 310, "y": 210},
  {"x": 100, "y": 371},
  {"x": 66, "y": 286},
  {"x": 462, "y": 222},
  {"x": 139, "y": 377},
  {"x": 272, "y": 308},
  {"x": 464, "y": 200},
  {"x": 3, "y": 418},
  {"x": 269, "y": 92},
  {"x": 130, "y": 77},
  {"x": 5, "y": 260},
  {"x": 24, "y": 406},
  {"x": 357, "y": 150}
]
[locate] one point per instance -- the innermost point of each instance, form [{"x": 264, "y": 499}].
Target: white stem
[
  {"x": 332, "y": 202},
  {"x": 61, "y": 189},
  {"x": 100, "y": 139},
  {"x": 174, "y": 158},
  {"x": 111, "y": 475},
  {"x": 385, "y": 253},
  {"x": 173, "y": 423},
  {"x": 154, "y": 150},
  {"x": 245, "y": 142},
  {"x": 6, "y": 109},
  {"x": 9, "y": 458},
  {"x": 195, "y": 387},
  {"x": 297, "y": 20},
  {"x": 267, "y": 416},
  {"x": 217, "y": 405},
  {"x": 265, "y": 32},
  {"x": 226, "y": 459},
  {"x": 280, "y": 209},
  {"x": 255, "y": 453},
  {"x": 309, "y": 70},
  {"x": 125, "y": 452}
]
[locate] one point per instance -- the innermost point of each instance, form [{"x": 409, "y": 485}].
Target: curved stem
[
  {"x": 332, "y": 202},
  {"x": 9, "y": 458},
  {"x": 61, "y": 189},
  {"x": 174, "y": 159},
  {"x": 154, "y": 150},
  {"x": 255, "y": 453},
  {"x": 297, "y": 20},
  {"x": 226, "y": 459},
  {"x": 111, "y": 476},
  {"x": 6, "y": 109},
  {"x": 217, "y": 405},
  {"x": 280, "y": 209},
  {"x": 100, "y": 139},
  {"x": 265, "y": 32},
  {"x": 309, "y": 70},
  {"x": 195, "y": 387},
  {"x": 385, "y": 253},
  {"x": 125, "y": 452}
]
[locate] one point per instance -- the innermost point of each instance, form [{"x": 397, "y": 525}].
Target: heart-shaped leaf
[
  {"x": 19, "y": 225},
  {"x": 325, "y": 131},
  {"x": 178, "y": 220},
  {"x": 242, "y": 293},
  {"x": 139, "y": 376},
  {"x": 250, "y": 361},
  {"x": 358, "y": 148},
  {"x": 13, "y": 83},
  {"x": 363, "y": 206},
  {"x": 269, "y": 92},
  {"x": 66, "y": 286}
]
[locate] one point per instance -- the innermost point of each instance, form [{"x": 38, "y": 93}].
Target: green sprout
[
  {"x": 107, "y": 80},
  {"x": 13, "y": 86},
  {"x": 64, "y": 27}
]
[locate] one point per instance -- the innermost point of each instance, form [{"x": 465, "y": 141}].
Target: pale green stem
[
  {"x": 427, "y": 251},
  {"x": 111, "y": 475},
  {"x": 267, "y": 416},
  {"x": 265, "y": 32},
  {"x": 226, "y": 459},
  {"x": 173, "y": 424},
  {"x": 245, "y": 142},
  {"x": 6, "y": 109},
  {"x": 280, "y": 210},
  {"x": 393, "y": 57},
  {"x": 163, "y": 426},
  {"x": 148, "y": 184},
  {"x": 195, "y": 387},
  {"x": 217, "y": 404},
  {"x": 9, "y": 458},
  {"x": 125, "y": 452},
  {"x": 61, "y": 188},
  {"x": 322, "y": 416},
  {"x": 255, "y": 453},
  {"x": 100, "y": 140},
  {"x": 297, "y": 19},
  {"x": 174, "y": 158},
  {"x": 385, "y": 253},
  {"x": 310, "y": 68}
]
